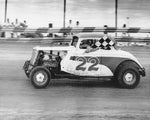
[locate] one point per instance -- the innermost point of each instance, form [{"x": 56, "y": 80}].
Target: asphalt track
[{"x": 68, "y": 99}]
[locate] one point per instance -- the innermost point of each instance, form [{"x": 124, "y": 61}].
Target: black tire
[
  {"x": 40, "y": 77},
  {"x": 128, "y": 76}
]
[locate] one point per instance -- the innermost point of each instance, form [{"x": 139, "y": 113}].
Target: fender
[
  {"x": 131, "y": 63},
  {"x": 114, "y": 62}
]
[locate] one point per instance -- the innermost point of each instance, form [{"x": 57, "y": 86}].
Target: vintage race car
[{"x": 88, "y": 55}]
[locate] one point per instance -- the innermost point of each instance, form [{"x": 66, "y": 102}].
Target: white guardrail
[
  {"x": 75, "y": 30},
  {"x": 78, "y": 30}
]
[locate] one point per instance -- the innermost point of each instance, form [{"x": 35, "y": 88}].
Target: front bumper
[
  {"x": 27, "y": 66},
  {"x": 142, "y": 72}
]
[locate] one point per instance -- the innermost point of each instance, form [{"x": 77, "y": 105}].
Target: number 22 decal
[
  {"x": 79, "y": 67},
  {"x": 93, "y": 60}
]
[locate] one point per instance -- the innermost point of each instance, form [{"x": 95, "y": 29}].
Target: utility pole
[
  {"x": 5, "y": 18},
  {"x": 128, "y": 18},
  {"x": 116, "y": 15},
  {"x": 64, "y": 21}
]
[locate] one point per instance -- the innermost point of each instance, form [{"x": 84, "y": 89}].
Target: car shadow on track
[{"x": 82, "y": 83}]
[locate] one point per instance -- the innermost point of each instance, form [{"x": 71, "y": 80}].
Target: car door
[{"x": 82, "y": 63}]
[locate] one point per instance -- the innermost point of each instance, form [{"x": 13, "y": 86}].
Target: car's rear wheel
[
  {"x": 40, "y": 77},
  {"x": 128, "y": 77}
]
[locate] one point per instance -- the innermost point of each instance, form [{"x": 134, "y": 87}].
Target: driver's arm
[{"x": 90, "y": 49}]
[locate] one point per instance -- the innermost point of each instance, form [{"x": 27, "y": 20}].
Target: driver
[
  {"x": 74, "y": 41},
  {"x": 90, "y": 47}
]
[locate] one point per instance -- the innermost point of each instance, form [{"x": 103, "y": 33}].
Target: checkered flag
[{"x": 106, "y": 43}]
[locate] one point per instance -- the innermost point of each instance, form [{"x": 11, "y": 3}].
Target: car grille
[{"x": 33, "y": 57}]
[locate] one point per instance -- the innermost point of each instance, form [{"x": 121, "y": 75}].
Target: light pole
[
  {"x": 128, "y": 18},
  {"x": 116, "y": 15},
  {"x": 5, "y": 18},
  {"x": 64, "y": 20}
]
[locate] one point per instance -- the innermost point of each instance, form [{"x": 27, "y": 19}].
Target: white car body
[
  {"x": 69, "y": 66},
  {"x": 88, "y": 55}
]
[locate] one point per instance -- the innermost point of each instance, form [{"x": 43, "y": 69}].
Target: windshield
[{"x": 33, "y": 57}]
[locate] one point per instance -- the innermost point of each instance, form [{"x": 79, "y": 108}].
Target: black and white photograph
[{"x": 75, "y": 60}]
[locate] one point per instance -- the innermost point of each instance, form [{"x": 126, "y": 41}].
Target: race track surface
[{"x": 68, "y": 99}]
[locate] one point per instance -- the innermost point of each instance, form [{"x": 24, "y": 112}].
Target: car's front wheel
[
  {"x": 40, "y": 77},
  {"x": 128, "y": 77}
]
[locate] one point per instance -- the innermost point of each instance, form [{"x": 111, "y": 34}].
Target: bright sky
[{"x": 96, "y": 13}]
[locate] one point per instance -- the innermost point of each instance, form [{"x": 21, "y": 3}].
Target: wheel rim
[
  {"x": 129, "y": 77},
  {"x": 40, "y": 78}
]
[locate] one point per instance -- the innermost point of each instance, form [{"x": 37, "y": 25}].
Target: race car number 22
[{"x": 94, "y": 60}]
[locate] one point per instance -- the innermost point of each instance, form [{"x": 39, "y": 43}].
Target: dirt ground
[{"x": 68, "y": 99}]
